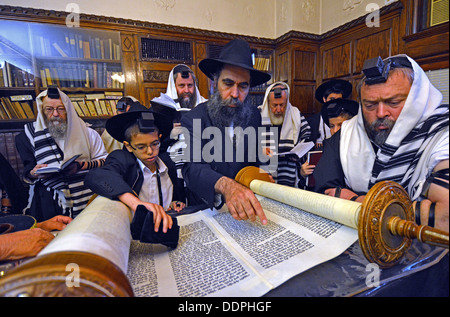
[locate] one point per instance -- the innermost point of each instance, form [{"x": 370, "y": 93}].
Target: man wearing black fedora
[{"x": 210, "y": 176}]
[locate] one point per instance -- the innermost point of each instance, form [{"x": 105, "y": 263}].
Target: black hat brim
[
  {"x": 344, "y": 85},
  {"x": 209, "y": 67},
  {"x": 118, "y": 124},
  {"x": 348, "y": 105}
]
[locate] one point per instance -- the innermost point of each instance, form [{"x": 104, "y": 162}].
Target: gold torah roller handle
[{"x": 386, "y": 225}]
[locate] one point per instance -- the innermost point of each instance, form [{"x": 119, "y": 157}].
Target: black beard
[
  {"x": 223, "y": 116},
  {"x": 378, "y": 137},
  {"x": 188, "y": 103}
]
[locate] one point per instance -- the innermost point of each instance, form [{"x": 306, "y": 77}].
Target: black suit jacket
[
  {"x": 121, "y": 174},
  {"x": 210, "y": 155}
]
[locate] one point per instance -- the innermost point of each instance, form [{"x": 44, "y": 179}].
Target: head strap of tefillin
[
  {"x": 376, "y": 70},
  {"x": 278, "y": 92}
]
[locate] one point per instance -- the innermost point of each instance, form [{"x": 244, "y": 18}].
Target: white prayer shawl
[
  {"x": 324, "y": 131},
  {"x": 171, "y": 94},
  {"x": 77, "y": 138},
  {"x": 416, "y": 144},
  {"x": 294, "y": 129},
  {"x": 70, "y": 192}
]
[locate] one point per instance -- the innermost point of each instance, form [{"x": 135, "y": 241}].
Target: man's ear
[{"x": 127, "y": 145}]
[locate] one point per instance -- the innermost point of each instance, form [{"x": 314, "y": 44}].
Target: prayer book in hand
[{"x": 55, "y": 167}]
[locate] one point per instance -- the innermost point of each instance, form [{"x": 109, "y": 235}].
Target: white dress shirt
[{"x": 149, "y": 191}]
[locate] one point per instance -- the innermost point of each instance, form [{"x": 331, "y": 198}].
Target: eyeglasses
[
  {"x": 144, "y": 148},
  {"x": 50, "y": 110}
]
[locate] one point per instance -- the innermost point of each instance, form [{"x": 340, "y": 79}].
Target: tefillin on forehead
[
  {"x": 53, "y": 92},
  {"x": 278, "y": 92},
  {"x": 185, "y": 74},
  {"x": 146, "y": 122},
  {"x": 377, "y": 70}
]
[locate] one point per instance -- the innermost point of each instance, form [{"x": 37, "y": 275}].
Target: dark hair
[{"x": 333, "y": 90}]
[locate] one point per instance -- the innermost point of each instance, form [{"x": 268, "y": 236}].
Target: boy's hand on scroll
[
  {"x": 241, "y": 201},
  {"x": 159, "y": 215}
]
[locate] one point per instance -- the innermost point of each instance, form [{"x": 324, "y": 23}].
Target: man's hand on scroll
[
  {"x": 28, "y": 243},
  {"x": 344, "y": 193},
  {"x": 159, "y": 215},
  {"x": 56, "y": 223},
  {"x": 241, "y": 201}
]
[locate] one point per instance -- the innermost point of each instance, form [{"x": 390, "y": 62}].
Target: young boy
[
  {"x": 334, "y": 112},
  {"x": 136, "y": 175}
]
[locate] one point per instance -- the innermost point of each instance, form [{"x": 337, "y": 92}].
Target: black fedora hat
[
  {"x": 237, "y": 53},
  {"x": 338, "y": 84},
  {"x": 333, "y": 108},
  {"x": 118, "y": 124}
]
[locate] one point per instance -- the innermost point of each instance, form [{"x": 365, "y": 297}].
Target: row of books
[
  {"x": 15, "y": 109},
  {"x": 95, "y": 105},
  {"x": 75, "y": 46},
  {"x": 262, "y": 63},
  {"x": 13, "y": 76},
  {"x": 85, "y": 75},
  {"x": 166, "y": 50}
]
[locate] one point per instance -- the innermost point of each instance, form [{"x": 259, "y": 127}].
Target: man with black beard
[
  {"x": 181, "y": 95},
  {"x": 401, "y": 134},
  {"x": 217, "y": 150},
  {"x": 57, "y": 135}
]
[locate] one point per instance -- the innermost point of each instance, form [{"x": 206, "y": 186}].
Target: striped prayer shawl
[
  {"x": 398, "y": 164},
  {"x": 70, "y": 191},
  {"x": 417, "y": 143},
  {"x": 287, "y": 171}
]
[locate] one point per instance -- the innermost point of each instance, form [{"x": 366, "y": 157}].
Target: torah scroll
[
  {"x": 88, "y": 258},
  {"x": 342, "y": 211}
]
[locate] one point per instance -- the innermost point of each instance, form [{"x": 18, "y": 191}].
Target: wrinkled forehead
[{"x": 46, "y": 101}]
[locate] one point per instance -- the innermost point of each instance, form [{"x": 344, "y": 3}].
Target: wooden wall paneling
[
  {"x": 377, "y": 44},
  {"x": 153, "y": 79},
  {"x": 130, "y": 64},
  {"x": 302, "y": 97},
  {"x": 429, "y": 47},
  {"x": 200, "y": 53},
  {"x": 336, "y": 61},
  {"x": 304, "y": 72},
  {"x": 304, "y": 65},
  {"x": 282, "y": 65}
]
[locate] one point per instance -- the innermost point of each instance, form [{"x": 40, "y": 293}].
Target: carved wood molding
[{"x": 31, "y": 13}]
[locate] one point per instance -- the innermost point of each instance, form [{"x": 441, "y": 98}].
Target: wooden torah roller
[
  {"x": 88, "y": 258},
  {"x": 66, "y": 274},
  {"x": 385, "y": 220}
]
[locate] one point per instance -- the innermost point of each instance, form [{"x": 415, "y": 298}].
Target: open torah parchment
[{"x": 220, "y": 256}]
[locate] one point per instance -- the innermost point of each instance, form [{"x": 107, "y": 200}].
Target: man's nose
[
  {"x": 235, "y": 91},
  {"x": 382, "y": 110}
]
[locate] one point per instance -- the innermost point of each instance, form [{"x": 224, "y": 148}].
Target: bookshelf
[
  {"x": 263, "y": 61},
  {"x": 85, "y": 63}
]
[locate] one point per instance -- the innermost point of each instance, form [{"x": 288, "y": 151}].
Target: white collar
[{"x": 162, "y": 168}]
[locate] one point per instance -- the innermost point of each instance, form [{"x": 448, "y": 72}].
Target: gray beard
[
  {"x": 378, "y": 137},
  {"x": 275, "y": 120},
  {"x": 57, "y": 130},
  {"x": 223, "y": 116}
]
